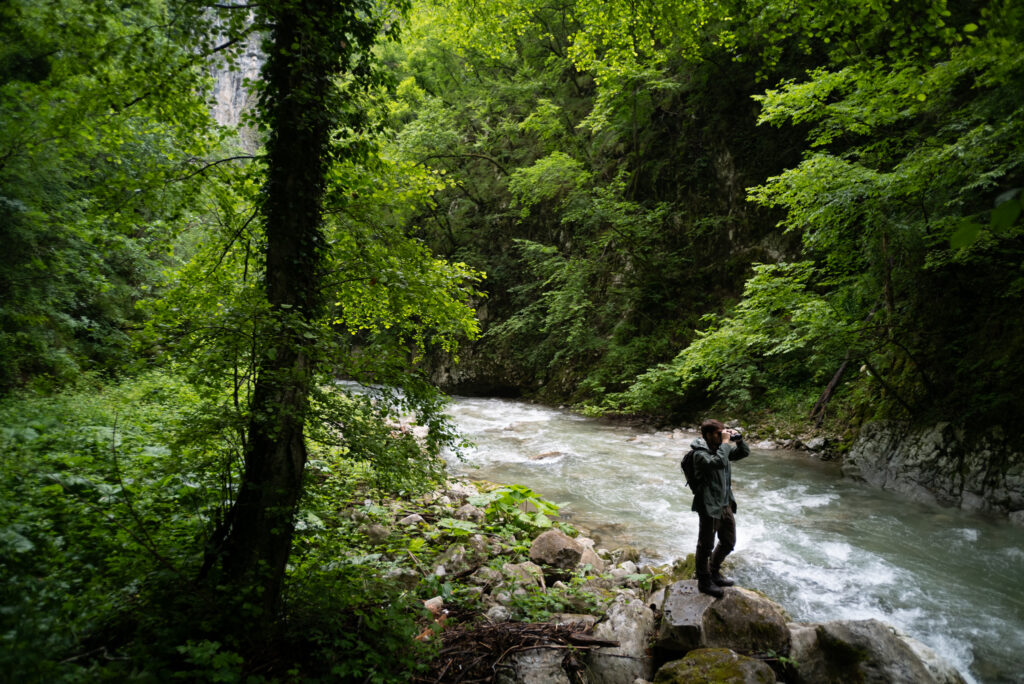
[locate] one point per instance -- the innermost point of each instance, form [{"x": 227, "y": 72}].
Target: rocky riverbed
[{"x": 543, "y": 606}]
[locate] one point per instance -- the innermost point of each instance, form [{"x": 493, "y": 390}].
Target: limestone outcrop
[{"x": 940, "y": 464}]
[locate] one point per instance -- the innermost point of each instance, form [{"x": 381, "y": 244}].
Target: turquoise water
[{"x": 825, "y": 548}]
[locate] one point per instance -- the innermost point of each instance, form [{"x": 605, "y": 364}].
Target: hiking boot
[
  {"x": 721, "y": 580},
  {"x": 706, "y": 586}
]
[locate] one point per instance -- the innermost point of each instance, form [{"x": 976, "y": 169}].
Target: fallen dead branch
[{"x": 472, "y": 653}]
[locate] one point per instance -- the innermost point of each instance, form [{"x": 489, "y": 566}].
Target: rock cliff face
[
  {"x": 231, "y": 98},
  {"x": 942, "y": 464}
]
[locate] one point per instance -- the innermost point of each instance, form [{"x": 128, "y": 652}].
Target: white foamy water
[{"x": 825, "y": 548}]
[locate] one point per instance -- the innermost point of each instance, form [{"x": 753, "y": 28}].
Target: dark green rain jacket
[{"x": 713, "y": 491}]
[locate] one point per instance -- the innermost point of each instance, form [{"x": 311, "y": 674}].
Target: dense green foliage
[{"x": 687, "y": 203}]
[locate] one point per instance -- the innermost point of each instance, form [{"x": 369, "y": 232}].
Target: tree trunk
[{"x": 296, "y": 107}]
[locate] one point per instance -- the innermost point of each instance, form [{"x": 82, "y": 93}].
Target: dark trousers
[{"x": 724, "y": 528}]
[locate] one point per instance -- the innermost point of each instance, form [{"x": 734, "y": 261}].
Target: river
[{"x": 823, "y": 547}]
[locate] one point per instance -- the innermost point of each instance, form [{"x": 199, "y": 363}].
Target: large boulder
[
  {"x": 746, "y": 622},
  {"x": 557, "y": 549},
  {"x": 867, "y": 651},
  {"x": 631, "y": 623},
  {"x": 714, "y": 666},
  {"x": 741, "y": 620}
]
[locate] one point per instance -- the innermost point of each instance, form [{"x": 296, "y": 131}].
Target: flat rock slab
[
  {"x": 741, "y": 620},
  {"x": 683, "y": 617}
]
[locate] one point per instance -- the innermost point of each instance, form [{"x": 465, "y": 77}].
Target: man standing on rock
[{"x": 711, "y": 483}]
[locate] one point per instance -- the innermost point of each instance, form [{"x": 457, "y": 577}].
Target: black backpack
[{"x": 689, "y": 472}]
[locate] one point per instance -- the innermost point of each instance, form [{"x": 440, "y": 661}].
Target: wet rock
[
  {"x": 940, "y": 669},
  {"x": 940, "y": 464},
  {"x": 630, "y": 622},
  {"x": 715, "y": 665},
  {"x": 557, "y": 549},
  {"x": 815, "y": 444},
  {"x": 546, "y": 454},
  {"x": 843, "y": 651}
]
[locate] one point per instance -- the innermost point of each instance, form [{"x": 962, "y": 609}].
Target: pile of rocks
[{"x": 651, "y": 623}]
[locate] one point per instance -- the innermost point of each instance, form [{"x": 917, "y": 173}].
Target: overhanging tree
[{"x": 316, "y": 51}]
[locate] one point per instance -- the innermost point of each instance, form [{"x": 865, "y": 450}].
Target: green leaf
[
  {"x": 970, "y": 28},
  {"x": 966, "y": 235},
  {"x": 1004, "y": 216}
]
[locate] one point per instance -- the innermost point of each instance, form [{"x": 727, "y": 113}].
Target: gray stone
[
  {"x": 741, "y": 620},
  {"x": 656, "y": 600},
  {"x": 815, "y": 444},
  {"x": 471, "y": 513},
  {"x": 631, "y": 623},
  {"x": 461, "y": 490},
  {"x": 592, "y": 559},
  {"x": 682, "y": 617},
  {"x": 498, "y": 613},
  {"x": 940, "y": 669},
  {"x": 867, "y": 651},
  {"x": 938, "y": 464},
  {"x": 626, "y": 553},
  {"x": 714, "y": 665},
  {"x": 413, "y": 519},
  {"x": 557, "y": 549},
  {"x": 527, "y": 573},
  {"x": 541, "y": 665},
  {"x": 1017, "y": 518},
  {"x": 747, "y": 622}
]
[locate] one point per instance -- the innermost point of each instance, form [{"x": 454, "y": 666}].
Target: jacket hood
[{"x": 699, "y": 443}]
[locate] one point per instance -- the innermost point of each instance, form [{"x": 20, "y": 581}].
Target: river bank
[{"x": 532, "y": 604}]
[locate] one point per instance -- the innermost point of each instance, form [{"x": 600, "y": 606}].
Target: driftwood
[{"x": 472, "y": 653}]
